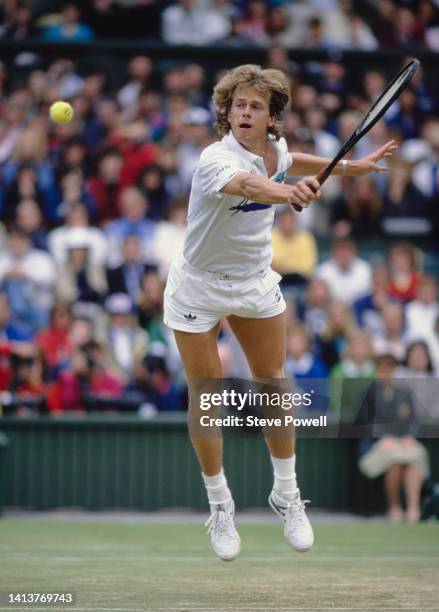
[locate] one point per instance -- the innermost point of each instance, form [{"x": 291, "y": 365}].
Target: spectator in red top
[
  {"x": 89, "y": 380},
  {"x": 105, "y": 185},
  {"x": 132, "y": 140},
  {"x": 405, "y": 276},
  {"x": 54, "y": 342}
]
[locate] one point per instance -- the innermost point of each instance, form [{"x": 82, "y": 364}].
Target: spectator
[
  {"x": 13, "y": 117},
  {"x": 306, "y": 369},
  {"x": 77, "y": 220},
  {"x": 404, "y": 273},
  {"x": 347, "y": 276},
  {"x": 27, "y": 384},
  {"x": 105, "y": 185},
  {"x": 182, "y": 24},
  {"x": 152, "y": 184},
  {"x": 425, "y": 171},
  {"x": 11, "y": 331},
  {"x": 150, "y": 310},
  {"x": 73, "y": 191},
  {"x": 80, "y": 278},
  {"x": 21, "y": 27},
  {"x": 70, "y": 27},
  {"x": 255, "y": 22},
  {"x": 126, "y": 342},
  {"x": 197, "y": 135},
  {"x": 65, "y": 81},
  {"x": 150, "y": 108},
  {"x": 332, "y": 341},
  {"x": 359, "y": 207},
  {"x": 360, "y": 35},
  {"x": 368, "y": 309},
  {"x": 388, "y": 412},
  {"x": 315, "y": 37},
  {"x": 404, "y": 205},
  {"x": 278, "y": 26},
  {"x": 384, "y": 23},
  {"x": 409, "y": 31},
  {"x": 132, "y": 222},
  {"x": 295, "y": 252},
  {"x": 74, "y": 156},
  {"x": 140, "y": 71},
  {"x": 106, "y": 18},
  {"x": 315, "y": 307},
  {"x": 24, "y": 187},
  {"x": 392, "y": 339},
  {"x": 132, "y": 140},
  {"x": 89, "y": 381},
  {"x": 357, "y": 364},
  {"x": 127, "y": 277},
  {"x": 108, "y": 118},
  {"x": 54, "y": 342},
  {"x": 419, "y": 376},
  {"x": 28, "y": 277},
  {"x": 154, "y": 380},
  {"x": 422, "y": 312},
  {"x": 30, "y": 220},
  {"x": 235, "y": 37},
  {"x": 29, "y": 172},
  {"x": 408, "y": 116}
]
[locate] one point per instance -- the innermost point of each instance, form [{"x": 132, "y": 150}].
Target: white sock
[
  {"x": 217, "y": 490},
  {"x": 285, "y": 483}
]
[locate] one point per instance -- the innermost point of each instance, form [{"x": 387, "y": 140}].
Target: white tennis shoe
[
  {"x": 297, "y": 528},
  {"x": 224, "y": 538}
]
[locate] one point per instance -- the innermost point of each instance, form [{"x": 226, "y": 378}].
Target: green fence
[{"x": 123, "y": 462}]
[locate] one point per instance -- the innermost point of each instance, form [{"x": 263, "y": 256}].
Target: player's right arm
[{"x": 265, "y": 191}]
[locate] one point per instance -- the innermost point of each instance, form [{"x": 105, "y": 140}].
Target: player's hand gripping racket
[{"x": 376, "y": 111}]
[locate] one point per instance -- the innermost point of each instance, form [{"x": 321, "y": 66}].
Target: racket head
[
  {"x": 374, "y": 114},
  {"x": 387, "y": 98}
]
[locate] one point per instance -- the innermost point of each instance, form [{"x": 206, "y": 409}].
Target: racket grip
[{"x": 321, "y": 177}]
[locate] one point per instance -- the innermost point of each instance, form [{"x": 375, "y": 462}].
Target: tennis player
[{"x": 225, "y": 272}]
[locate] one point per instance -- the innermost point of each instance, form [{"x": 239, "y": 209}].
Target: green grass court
[{"x": 157, "y": 567}]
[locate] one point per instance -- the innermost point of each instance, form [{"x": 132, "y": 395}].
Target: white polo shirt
[{"x": 229, "y": 233}]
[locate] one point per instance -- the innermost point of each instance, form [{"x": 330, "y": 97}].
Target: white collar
[{"x": 230, "y": 140}]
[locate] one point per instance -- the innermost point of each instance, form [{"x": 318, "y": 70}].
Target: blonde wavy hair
[{"x": 272, "y": 84}]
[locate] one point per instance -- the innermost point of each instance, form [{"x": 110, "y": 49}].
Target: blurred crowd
[
  {"x": 310, "y": 24},
  {"x": 92, "y": 213}
]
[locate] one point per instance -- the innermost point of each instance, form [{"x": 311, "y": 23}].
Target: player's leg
[
  {"x": 264, "y": 344},
  {"x": 199, "y": 353}
]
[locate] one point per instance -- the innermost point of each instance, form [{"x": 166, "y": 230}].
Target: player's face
[{"x": 249, "y": 117}]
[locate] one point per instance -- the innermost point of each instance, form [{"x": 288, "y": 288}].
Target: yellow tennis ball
[{"x": 61, "y": 112}]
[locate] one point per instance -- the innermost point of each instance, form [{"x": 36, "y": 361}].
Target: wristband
[{"x": 344, "y": 167}]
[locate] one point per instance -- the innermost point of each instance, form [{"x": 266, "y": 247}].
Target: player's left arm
[{"x": 305, "y": 164}]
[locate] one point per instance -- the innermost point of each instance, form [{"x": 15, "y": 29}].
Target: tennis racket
[{"x": 376, "y": 111}]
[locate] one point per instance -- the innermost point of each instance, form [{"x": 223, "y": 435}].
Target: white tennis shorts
[{"x": 195, "y": 300}]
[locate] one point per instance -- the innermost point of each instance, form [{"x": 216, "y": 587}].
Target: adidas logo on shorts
[{"x": 190, "y": 317}]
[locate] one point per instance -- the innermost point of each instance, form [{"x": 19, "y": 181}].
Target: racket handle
[{"x": 323, "y": 175}]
